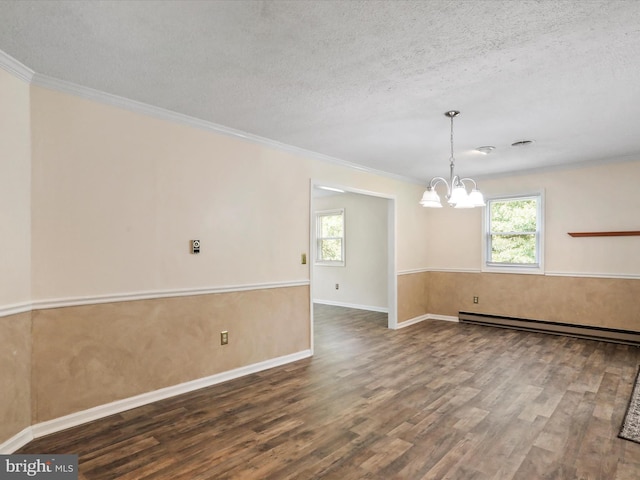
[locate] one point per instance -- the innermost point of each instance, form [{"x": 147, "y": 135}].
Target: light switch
[{"x": 195, "y": 246}]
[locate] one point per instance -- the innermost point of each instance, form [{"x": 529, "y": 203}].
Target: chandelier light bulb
[
  {"x": 476, "y": 198},
  {"x": 458, "y": 195},
  {"x": 430, "y": 198}
]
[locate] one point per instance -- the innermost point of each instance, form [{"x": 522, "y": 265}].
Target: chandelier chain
[{"x": 451, "y": 158}]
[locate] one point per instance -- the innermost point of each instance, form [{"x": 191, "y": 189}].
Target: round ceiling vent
[{"x": 487, "y": 149}]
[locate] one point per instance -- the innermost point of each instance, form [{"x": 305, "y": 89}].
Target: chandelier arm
[
  {"x": 436, "y": 180},
  {"x": 455, "y": 181},
  {"x": 466, "y": 179}
]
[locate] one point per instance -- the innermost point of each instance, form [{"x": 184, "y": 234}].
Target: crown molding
[
  {"x": 70, "y": 88},
  {"x": 15, "y": 68},
  {"x": 24, "y": 73}
]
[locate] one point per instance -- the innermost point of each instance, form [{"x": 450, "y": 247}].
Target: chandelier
[{"x": 457, "y": 195}]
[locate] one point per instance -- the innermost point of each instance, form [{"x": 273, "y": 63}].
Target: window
[
  {"x": 330, "y": 237},
  {"x": 513, "y": 234}
]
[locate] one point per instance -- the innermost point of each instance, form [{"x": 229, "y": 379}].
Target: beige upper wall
[
  {"x": 15, "y": 191},
  {"x": 599, "y": 198},
  {"x": 117, "y": 197},
  {"x": 594, "y": 198}
]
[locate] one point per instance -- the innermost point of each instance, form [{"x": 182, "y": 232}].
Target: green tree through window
[
  {"x": 330, "y": 237},
  {"x": 513, "y": 231}
]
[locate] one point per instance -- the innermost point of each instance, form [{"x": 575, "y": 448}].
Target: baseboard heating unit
[{"x": 627, "y": 337}]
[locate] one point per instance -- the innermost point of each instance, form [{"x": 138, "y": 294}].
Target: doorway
[{"x": 367, "y": 278}]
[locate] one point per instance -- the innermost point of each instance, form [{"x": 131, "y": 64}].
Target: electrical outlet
[
  {"x": 337, "y": 286},
  {"x": 224, "y": 338},
  {"x": 475, "y": 299}
]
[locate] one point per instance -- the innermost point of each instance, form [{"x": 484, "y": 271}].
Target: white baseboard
[
  {"x": 101, "y": 411},
  {"x": 412, "y": 321},
  {"x": 17, "y": 441},
  {"x": 426, "y": 316},
  {"x": 446, "y": 318},
  {"x": 370, "y": 308}
]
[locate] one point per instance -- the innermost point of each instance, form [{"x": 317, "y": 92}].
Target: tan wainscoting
[
  {"x": 91, "y": 355},
  {"x": 15, "y": 374},
  {"x": 601, "y": 302},
  {"x": 413, "y": 295}
]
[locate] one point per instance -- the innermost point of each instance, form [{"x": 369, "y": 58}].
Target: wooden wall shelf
[{"x": 605, "y": 234}]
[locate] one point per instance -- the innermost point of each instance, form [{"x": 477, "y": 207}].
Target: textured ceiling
[{"x": 364, "y": 82}]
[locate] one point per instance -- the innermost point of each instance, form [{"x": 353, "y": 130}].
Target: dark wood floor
[{"x": 435, "y": 400}]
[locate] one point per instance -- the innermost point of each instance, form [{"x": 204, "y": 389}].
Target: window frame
[
  {"x": 319, "y": 238},
  {"x": 537, "y": 268}
]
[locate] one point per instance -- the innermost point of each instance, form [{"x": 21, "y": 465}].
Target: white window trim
[
  {"x": 329, "y": 263},
  {"x": 497, "y": 268}
]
